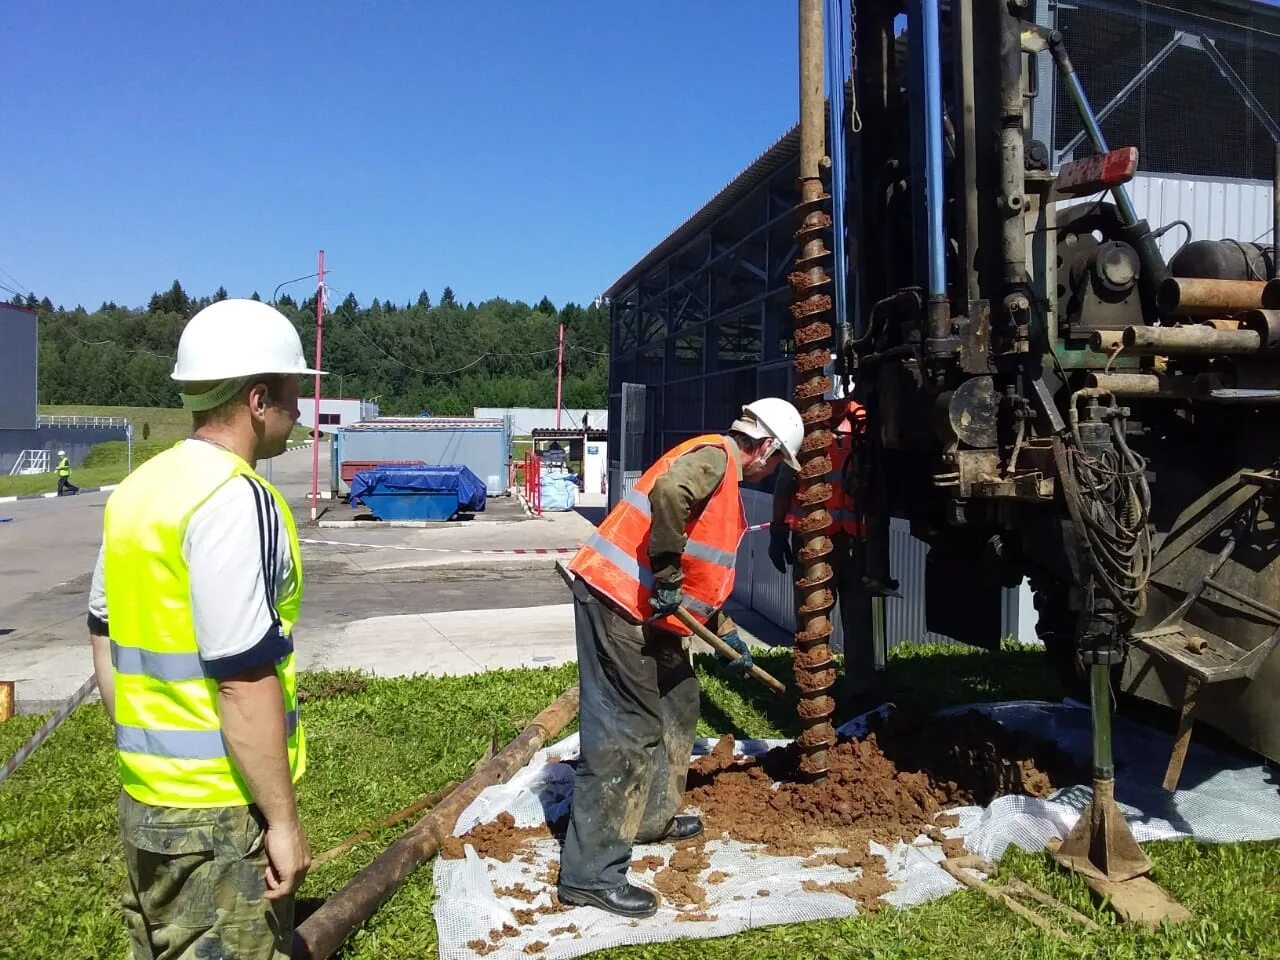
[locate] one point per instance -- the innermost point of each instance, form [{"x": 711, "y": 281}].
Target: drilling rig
[{"x": 1047, "y": 398}]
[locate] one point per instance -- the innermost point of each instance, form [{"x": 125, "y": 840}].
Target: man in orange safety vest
[
  {"x": 671, "y": 542},
  {"x": 848, "y": 535}
]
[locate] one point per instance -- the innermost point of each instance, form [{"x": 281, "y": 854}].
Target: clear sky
[{"x": 513, "y": 148}]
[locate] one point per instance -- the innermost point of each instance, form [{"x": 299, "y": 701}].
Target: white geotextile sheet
[{"x": 1222, "y": 798}]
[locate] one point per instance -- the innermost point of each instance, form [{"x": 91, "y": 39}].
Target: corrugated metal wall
[
  {"x": 1215, "y": 209},
  {"x": 483, "y": 452},
  {"x": 769, "y": 592}
]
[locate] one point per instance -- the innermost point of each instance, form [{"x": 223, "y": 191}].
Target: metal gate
[{"x": 627, "y": 468}]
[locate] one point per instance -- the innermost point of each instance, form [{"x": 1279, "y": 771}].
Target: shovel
[{"x": 726, "y": 651}]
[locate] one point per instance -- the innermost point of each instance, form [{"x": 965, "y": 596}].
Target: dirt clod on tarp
[
  {"x": 500, "y": 839},
  {"x": 678, "y": 883}
]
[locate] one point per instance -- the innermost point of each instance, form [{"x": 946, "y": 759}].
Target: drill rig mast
[{"x": 1048, "y": 398}]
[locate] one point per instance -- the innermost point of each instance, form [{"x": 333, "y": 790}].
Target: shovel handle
[{"x": 726, "y": 651}]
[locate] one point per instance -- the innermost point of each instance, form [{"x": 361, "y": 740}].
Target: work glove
[
  {"x": 780, "y": 553},
  {"x": 666, "y": 600},
  {"x": 743, "y": 664}
]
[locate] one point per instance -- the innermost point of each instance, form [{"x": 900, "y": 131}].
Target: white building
[
  {"x": 524, "y": 420},
  {"x": 335, "y": 412}
]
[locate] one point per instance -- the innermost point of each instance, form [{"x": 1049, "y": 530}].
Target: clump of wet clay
[
  {"x": 717, "y": 876},
  {"x": 524, "y": 917},
  {"x": 698, "y": 917},
  {"x": 500, "y": 839},
  {"x": 517, "y": 892},
  {"x": 536, "y": 947},
  {"x": 481, "y": 947},
  {"x": 678, "y": 883},
  {"x": 571, "y": 928},
  {"x": 651, "y": 862}
]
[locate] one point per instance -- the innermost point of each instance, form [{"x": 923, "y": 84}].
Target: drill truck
[{"x": 1049, "y": 399}]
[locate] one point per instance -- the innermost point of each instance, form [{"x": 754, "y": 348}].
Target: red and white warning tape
[
  {"x": 391, "y": 546},
  {"x": 525, "y": 551}
]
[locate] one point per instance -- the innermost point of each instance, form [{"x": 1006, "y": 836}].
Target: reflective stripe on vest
[
  {"x": 169, "y": 745},
  {"x": 615, "y": 559}
]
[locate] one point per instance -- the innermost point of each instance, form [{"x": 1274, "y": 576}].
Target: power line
[{"x": 24, "y": 287}]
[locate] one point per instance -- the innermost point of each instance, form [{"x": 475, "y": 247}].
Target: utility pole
[
  {"x": 559, "y": 374},
  {"x": 315, "y": 418}
]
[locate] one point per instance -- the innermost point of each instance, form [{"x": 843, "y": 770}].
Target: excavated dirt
[
  {"x": 891, "y": 785},
  {"x": 518, "y": 892},
  {"x": 500, "y": 839},
  {"x": 536, "y": 947}
]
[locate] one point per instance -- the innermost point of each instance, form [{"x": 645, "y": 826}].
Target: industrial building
[
  {"x": 481, "y": 445},
  {"x": 525, "y": 420},
  {"x": 700, "y": 325},
  {"x": 335, "y": 412}
]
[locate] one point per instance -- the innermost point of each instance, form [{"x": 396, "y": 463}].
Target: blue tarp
[{"x": 455, "y": 479}]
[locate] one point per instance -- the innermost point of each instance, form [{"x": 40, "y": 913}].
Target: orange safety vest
[
  {"x": 839, "y": 503},
  {"x": 615, "y": 559}
]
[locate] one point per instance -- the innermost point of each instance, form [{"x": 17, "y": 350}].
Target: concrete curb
[{"x": 54, "y": 495}]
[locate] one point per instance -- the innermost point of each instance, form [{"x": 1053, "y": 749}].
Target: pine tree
[
  {"x": 254, "y": 296},
  {"x": 546, "y": 306},
  {"x": 447, "y": 299},
  {"x": 424, "y": 300},
  {"x": 220, "y": 294}
]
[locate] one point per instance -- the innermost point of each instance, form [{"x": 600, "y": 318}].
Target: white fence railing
[{"x": 74, "y": 420}]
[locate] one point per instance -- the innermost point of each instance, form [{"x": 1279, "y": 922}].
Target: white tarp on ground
[{"x": 1222, "y": 798}]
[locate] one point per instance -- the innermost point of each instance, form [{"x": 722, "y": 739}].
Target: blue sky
[{"x": 506, "y": 149}]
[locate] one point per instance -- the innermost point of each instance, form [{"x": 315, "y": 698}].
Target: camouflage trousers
[{"x": 196, "y": 883}]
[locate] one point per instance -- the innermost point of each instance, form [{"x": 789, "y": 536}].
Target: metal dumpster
[{"x": 418, "y": 493}]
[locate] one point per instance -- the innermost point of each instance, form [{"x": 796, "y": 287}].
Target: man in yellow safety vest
[
  {"x": 191, "y": 615},
  {"x": 65, "y": 486}
]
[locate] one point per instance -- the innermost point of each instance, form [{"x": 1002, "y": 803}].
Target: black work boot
[
  {"x": 680, "y": 828},
  {"x": 626, "y": 900}
]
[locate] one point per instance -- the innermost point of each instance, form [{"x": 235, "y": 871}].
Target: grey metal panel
[
  {"x": 18, "y": 364},
  {"x": 483, "y": 452},
  {"x": 771, "y": 594}
]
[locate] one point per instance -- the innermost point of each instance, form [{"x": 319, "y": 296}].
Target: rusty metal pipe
[
  {"x": 1141, "y": 384},
  {"x": 1106, "y": 341},
  {"x": 1190, "y": 297},
  {"x": 1195, "y": 338},
  {"x": 321, "y": 934}
]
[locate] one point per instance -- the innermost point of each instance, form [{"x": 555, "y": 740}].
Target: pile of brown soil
[{"x": 891, "y": 785}]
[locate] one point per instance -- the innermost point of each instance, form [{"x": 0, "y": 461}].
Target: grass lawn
[
  {"x": 376, "y": 745},
  {"x": 108, "y": 462}
]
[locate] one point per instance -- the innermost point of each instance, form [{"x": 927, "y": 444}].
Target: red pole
[
  {"x": 315, "y": 419},
  {"x": 559, "y": 374}
]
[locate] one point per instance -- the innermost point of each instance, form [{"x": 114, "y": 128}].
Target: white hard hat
[
  {"x": 773, "y": 417},
  {"x": 62, "y": 453},
  {"x": 238, "y": 338}
]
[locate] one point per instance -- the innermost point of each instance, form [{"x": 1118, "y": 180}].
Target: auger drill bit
[{"x": 811, "y": 321}]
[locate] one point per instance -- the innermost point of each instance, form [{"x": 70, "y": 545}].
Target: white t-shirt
[{"x": 237, "y": 554}]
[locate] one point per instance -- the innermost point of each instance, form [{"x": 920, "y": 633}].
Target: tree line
[{"x": 443, "y": 357}]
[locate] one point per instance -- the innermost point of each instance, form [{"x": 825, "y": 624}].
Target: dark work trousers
[
  {"x": 855, "y": 612},
  {"x": 638, "y": 715},
  {"x": 66, "y": 487}
]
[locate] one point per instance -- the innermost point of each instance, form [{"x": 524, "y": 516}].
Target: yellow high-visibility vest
[
  {"x": 169, "y": 745},
  {"x": 64, "y": 467}
]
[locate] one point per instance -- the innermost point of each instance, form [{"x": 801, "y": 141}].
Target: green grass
[
  {"x": 376, "y": 745},
  {"x": 107, "y": 463}
]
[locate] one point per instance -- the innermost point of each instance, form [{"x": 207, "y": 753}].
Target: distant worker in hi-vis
[{"x": 65, "y": 487}]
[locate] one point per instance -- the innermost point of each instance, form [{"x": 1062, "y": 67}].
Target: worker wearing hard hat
[
  {"x": 848, "y": 535},
  {"x": 198, "y": 587},
  {"x": 671, "y": 542},
  {"x": 65, "y": 486}
]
